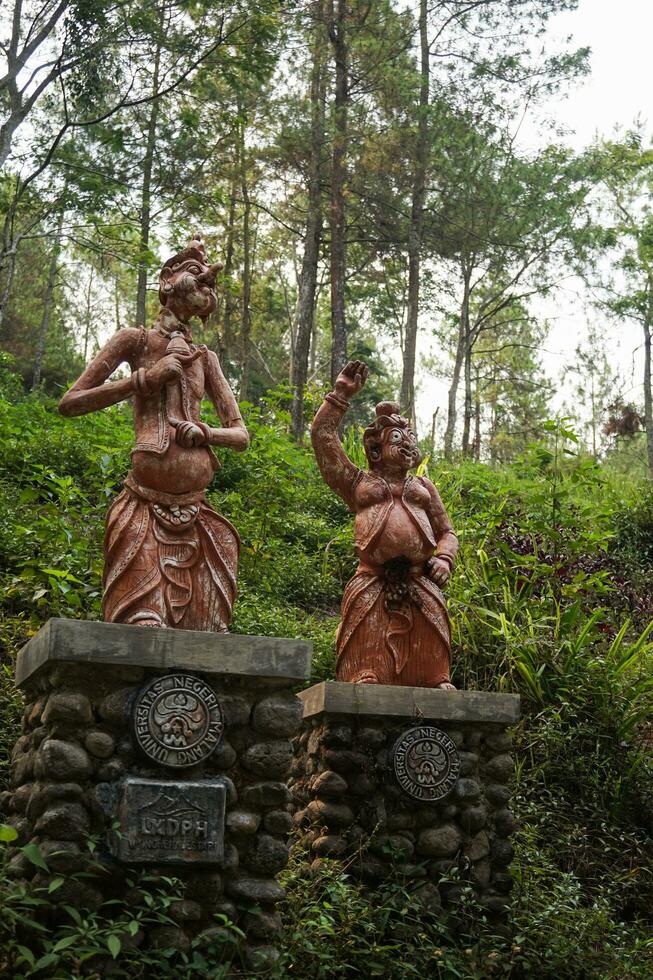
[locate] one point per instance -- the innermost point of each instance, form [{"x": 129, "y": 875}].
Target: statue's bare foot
[
  {"x": 445, "y": 686},
  {"x": 367, "y": 677},
  {"x": 151, "y": 623}
]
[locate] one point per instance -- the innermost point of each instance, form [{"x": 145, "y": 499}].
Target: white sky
[
  {"x": 619, "y": 88},
  {"x": 618, "y": 91}
]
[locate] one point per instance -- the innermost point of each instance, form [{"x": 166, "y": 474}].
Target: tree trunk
[
  {"x": 313, "y": 352},
  {"x": 434, "y": 419},
  {"x": 407, "y": 397},
  {"x": 8, "y": 258},
  {"x": 312, "y": 238},
  {"x": 47, "y": 304},
  {"x": 648, "y": 399},
  {"x": 226, "y": 352},
  {"x": 245, "y": 318},
  {"x": 146, "y": 185},
  {"x": 467, "y": 412},
  {"x": 14, "y": 103},
  {"x": 88, "y": 318},
  {"x": 9, "y": 281},
  {"x": 337, "y": 35},
  {"x": 494, "y": 416},
  {"x": 461, "y": 346},
  {"x": 477, "y": 417},
  {"x": 594, "y": 416},
  {"x": 116, "y": 302}
]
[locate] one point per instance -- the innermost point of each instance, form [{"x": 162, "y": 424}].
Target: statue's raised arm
[
  {"x": 335, "y": 465},
  {"x": 170, "y": 559}
]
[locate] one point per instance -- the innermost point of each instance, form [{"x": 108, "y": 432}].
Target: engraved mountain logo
[{"x": 168, "y": 816}]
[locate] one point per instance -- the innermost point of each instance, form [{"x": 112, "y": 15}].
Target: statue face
[
  {"x": 188, "y": 288},
  {"x": 395, "y": 448}
]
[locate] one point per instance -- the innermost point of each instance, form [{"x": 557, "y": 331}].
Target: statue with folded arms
[
  {"x": 169, "y": 558},
  {"x": 394, "y": 626}
]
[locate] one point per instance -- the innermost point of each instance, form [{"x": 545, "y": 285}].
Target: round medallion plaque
[
  {"x": 426, "y": 763},
  {"x": 177, "y": 720}
]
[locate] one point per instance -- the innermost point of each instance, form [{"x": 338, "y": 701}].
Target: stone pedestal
[
  {"x": 410, "y": 782},
  {"x": 173, "y": 749}
]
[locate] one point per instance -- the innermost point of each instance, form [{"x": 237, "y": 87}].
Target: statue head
[
  {"x": 187, "y": 282},
  {"x": 389, "y": 442}
]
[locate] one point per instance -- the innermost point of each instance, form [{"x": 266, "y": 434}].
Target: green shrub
[
  {"x": 335, "y": 930},
  {"x": 559, "y": 933},
  {"x": 44, "y": 934}
]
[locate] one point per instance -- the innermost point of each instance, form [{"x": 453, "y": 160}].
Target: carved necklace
[{"x": 167, "y": 324}]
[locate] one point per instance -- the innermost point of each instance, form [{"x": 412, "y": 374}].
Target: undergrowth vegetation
[
  {"x": 44, "y": 934},
  {"x": 552, "y": 597}
]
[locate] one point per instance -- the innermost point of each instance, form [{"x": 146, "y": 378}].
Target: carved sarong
[
  {"x": 170, "y": 560},
  {"x": 394, "y": 629}
]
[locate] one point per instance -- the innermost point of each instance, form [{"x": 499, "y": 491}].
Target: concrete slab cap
[
  {"x": 386, "y": 700},
  {"x": 86, "y": 642}
]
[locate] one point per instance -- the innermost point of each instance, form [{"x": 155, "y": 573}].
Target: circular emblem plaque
[
  {"x": 177, "y": 720},
  {"x": 426, "y": 763}
]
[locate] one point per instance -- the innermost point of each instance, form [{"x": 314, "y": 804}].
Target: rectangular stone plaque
[{"x": 170, "y": 821}]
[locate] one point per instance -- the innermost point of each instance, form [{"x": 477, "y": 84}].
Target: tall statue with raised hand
[
  {"x": 169, "y": 558},
  {"x": 394, "y": 626}
]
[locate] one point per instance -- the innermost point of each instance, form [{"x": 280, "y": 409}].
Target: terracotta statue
[
  {"x": 394, "y": 627},
  {"x": 169, "y": 558}
]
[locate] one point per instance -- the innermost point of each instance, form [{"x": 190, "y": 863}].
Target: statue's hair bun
[{"x": 387, "y": 408}]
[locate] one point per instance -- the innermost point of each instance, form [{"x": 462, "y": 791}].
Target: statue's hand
[
  {"x": 351, "y": 379},
  {"x": 167, "y": 369},
  {"x": 189, "y": 435},
  {"x": 439, "y": 572}
]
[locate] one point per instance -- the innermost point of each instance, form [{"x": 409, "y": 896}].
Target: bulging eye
[{"x": 396, "y": 436}]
